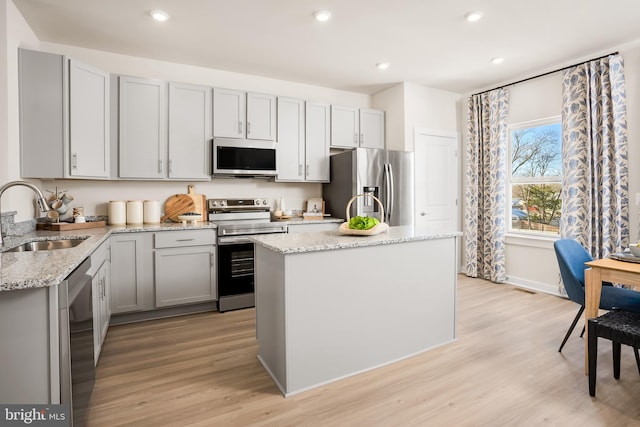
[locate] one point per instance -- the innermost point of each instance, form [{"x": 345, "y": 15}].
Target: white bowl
[{"x": 635, "y": 250}]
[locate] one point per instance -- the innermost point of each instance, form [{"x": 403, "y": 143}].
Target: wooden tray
[
  {"x": 64, "y": 226},
  {"x": 377, "y": 229}
]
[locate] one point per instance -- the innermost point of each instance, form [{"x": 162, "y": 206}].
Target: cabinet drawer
[{"x": 174, "y": 239}]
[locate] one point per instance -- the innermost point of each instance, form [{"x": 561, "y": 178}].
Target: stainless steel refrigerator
[{"x": 386, "y": 174}]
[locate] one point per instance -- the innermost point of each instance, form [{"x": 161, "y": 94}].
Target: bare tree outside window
[{"x": 536, "y": 178}]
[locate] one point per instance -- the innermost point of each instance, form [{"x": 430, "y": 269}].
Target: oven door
[{"x": 235, "y": 273}]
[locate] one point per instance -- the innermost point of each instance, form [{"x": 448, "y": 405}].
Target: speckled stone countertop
[
  {"x": 331, "y": 240},
  {"x": 23, "y": 270}
]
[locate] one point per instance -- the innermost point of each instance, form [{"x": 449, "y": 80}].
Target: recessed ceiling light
[
  {"x": 473, "y": 16},
  {"x": 382, "y": 65},
  {"x": 159, "y": 15},
  {"x": 322, "y": 15},
  {"x": 497, "y": 60}
]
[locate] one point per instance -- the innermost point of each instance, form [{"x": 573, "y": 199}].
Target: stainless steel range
[{"x": 237, "y": 219}]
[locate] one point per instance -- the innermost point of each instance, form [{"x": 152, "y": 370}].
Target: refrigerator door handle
[{"x": 391, "y": 196}]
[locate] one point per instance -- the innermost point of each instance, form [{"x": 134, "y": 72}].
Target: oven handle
[{"x": 233, "y": 240}]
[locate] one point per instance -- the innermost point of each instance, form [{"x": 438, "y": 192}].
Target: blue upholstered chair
[{"x": 571, "y": 258}]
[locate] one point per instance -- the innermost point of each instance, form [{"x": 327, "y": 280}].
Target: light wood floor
[{"x": 504, "y": 370}]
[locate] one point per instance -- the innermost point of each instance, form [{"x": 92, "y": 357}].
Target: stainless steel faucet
[{"x": 40, "y": 198}]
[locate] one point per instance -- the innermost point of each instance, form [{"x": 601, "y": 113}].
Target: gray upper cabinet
[
  {"x": 189, "y": 131},
  {"x": 317, "y": 136},
  {"x": 142, "y": 144},
  {"x": 290, "y": 150},
  {"x": 64, "y": 117},
  {"x": 345, "y": 127},
  {"x": 352, "y": 127},
  {"x": 371, "y": 128},
  {"x": 238, "y": 114}
]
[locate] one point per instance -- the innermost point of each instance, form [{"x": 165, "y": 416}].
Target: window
[{"x": 536, "y": 177}]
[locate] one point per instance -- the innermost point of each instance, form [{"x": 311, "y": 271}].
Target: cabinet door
[
  {"x": 96, "y": 285},
  {"x": 261, "y": 116},
  {"x": 345, "y": 127},
  {"x": 290, "y": 155},
  {"x": 88, "y": 121},
  {"x": 317, "y": 142},
  {"x": 43, "y": 90},
  {"x": 189, "y": 131},
  {"x": 229, "y": 112},
  {"x": 371, "y": 129},
  {"x": 131, "y": 272},
  {"x": 142, "y": 133},
  {"x": 185, "y": 275}
]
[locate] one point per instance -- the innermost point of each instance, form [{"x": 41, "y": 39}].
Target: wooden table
[{"x": 607, "y": 270}]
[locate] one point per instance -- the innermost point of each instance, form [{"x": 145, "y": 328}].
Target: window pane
[
  {"x": 536, "y": 208},
  {"x": 536, "y": 178},
  {"x": 536, "y": 151}
]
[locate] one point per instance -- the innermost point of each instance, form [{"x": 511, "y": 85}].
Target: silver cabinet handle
[
  {"x": 361, "y": 139},
  {"x": 74, "y": 161},
  {"x": 239, "y": 127},
  {"x": 184, "y": 240},
  {"x": 355, "y": 138},
  {"x": 159, "y": 166},
  {"x": 248, "y": 128},
  {"x": 170, "y": 164},
  {"x": 213, "y": 259},
  {"x": 300, "y": 170},
  {"x": 307, "y": 170}
]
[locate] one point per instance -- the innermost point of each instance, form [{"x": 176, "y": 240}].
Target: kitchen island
[{"x": 329, "y": 306}]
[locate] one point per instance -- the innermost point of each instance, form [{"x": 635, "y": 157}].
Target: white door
[{"x": 436, "y": 184}]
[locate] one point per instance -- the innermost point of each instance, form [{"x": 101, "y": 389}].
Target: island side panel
[
  {"x": 270, "y": 313},
  {"x": 352, "y": 310}
]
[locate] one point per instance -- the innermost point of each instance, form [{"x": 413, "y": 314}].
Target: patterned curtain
[
  {"x": 595, "y": 192},
  {"x": 485, "y": 191}
]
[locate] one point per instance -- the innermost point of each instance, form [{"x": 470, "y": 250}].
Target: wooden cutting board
[
  {"x": 200, "y": 201},
  {"x": 177, "y": 205}
]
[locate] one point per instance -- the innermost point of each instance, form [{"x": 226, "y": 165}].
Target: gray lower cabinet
[
  {"x": 185, "y": 267},
  {"x": 30, "y": 369},
  {"x": 101, "y": 265},
  {"x": 131, "y": 272}
]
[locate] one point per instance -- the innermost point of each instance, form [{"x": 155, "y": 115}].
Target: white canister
[
  {"x": 151, "y": 212},
  {"x": 117, "y": 212},
  {"x": 135, "y": 214}
]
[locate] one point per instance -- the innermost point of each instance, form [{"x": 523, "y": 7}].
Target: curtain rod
[{"x": 545, "y": 74}]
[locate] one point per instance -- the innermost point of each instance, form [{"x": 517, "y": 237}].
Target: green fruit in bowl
[{"x": 362, "y": 222}]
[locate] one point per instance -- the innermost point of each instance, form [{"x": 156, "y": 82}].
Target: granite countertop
[
  {"x": 23, "y": 270},
  {"x": 331, "y": 240}
]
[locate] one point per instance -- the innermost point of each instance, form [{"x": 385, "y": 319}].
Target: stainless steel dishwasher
[{"x": 77, "y": 365}]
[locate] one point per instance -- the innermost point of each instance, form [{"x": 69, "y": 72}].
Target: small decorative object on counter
[
  {"x": 189, "y": 217},
  {"x": 378, "y": 228},
  {"x": 135, "y": 214},
  {"x": 117, "y": 212},
  {"x": 151, "y": 212}
]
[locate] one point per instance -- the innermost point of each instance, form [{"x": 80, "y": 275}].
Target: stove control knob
[
  {"x": 256, "y": 202},
  {"x": 264, "y": 202},
  {"x": 222, "y": 202}
]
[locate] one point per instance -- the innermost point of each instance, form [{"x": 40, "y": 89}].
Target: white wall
[
  {"x": 410, "y": 106},
  {"x": 532, "y": 263}
]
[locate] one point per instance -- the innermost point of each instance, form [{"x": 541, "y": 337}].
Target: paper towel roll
[
  {"x": 117, "y": 212},
  {"x": 151, "y": 212},
  {"x": 135, "y": 214}
]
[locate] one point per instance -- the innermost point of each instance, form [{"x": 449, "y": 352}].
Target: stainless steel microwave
[{"x": 243, "y": 157}]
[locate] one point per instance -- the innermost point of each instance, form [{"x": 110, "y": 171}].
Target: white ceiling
[{"x": 426, "y": 41}]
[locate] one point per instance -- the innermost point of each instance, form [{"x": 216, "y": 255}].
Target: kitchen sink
[{"x": 46, "y": 245}]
